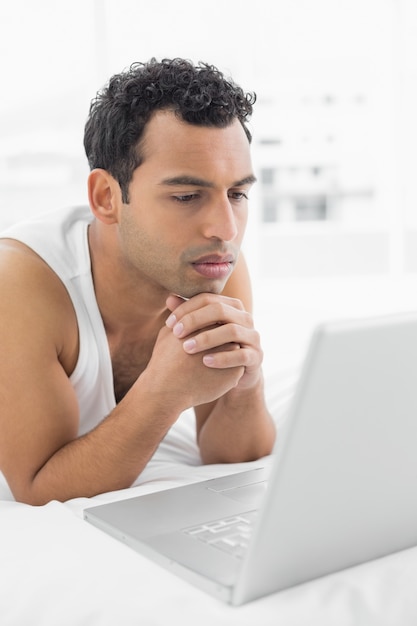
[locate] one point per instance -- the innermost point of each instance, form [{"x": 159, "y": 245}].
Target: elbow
[
  {"x": 28, "y": 494},
  {"x": 32, "y": 490}
]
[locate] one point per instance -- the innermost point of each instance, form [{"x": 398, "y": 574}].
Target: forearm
[
  {"x": 220, "y": 333},
  {"x": 239, "y": 428},
  {"x": 108, "y": 458}
]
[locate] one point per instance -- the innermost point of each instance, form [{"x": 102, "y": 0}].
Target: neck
[{"x": 125, "y": 302}]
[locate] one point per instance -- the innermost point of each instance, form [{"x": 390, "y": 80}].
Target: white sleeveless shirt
[{"x": 60, "y": 238}]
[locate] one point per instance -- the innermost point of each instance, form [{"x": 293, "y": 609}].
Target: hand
[
  {"x": 179, "y": 379},
  {"x": 221, "y": 330}
]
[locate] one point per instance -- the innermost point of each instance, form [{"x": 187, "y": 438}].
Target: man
[{"x": 118, "y": 317}]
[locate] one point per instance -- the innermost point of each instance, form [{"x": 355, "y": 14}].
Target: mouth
[{"x": 214, "y": 266}]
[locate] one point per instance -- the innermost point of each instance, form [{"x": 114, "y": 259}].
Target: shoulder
[
  {"x": 59, "y": 237},
  {"x": 35, "y": 301},
  {"x": 25, "y": 272}
]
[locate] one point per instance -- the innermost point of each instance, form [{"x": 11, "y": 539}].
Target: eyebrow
[{"x": 200, "y": 182}]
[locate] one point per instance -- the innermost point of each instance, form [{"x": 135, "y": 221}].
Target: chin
[{"x": 191, "y": 292}]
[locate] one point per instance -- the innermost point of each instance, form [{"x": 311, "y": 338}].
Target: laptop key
[{"x": 231, "y": 534}]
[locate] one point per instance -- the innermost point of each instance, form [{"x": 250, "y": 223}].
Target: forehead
[{"x": 170, "y": 143}]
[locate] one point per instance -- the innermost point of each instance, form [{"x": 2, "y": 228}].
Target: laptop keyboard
[{"x": 231, "y": 534}]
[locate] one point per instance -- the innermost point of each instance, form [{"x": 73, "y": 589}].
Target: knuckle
[
  {"x": 189, "y": 320},
  {"x": 208, "y": 298},
  {"x": 202, "y": 340},
  {"x": 220, "y": 310},
  {"x": 257, "y": 337},
  {"x": 234, "y": 331},
  {"x": 248, "y": 319},
  {"x": 237, "y": 304},
  {"x": 246, "y": 358}
]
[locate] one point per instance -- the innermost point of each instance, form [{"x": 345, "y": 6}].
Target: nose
[{"x": 221, "y": 222}]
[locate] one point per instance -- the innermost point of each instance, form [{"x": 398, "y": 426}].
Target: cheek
[{"x": 242, "y": 221}]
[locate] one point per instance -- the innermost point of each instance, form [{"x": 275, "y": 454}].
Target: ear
[{"x": 104, "y": 195}]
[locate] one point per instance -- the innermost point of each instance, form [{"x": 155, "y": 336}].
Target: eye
[
  {"x": 238, "y": 195},
  {"x": 186, "y": 197}
]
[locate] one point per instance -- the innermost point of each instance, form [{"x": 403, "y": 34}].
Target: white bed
[{"x": 57, "y": 570}]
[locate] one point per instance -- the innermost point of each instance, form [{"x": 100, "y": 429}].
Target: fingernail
[
  {"x": 189, "y": 345},
  {"x": 208, "y": 359},
  {"x": 178, "y": 328},
  {"x": 171, "y": 321}
]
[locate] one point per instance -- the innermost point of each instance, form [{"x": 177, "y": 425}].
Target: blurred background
[{"x": 333, "y": 219}]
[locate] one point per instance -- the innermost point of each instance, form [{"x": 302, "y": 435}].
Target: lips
[
  {"x": 215, "y": 258},
  {"x": 214, "y": 266}
]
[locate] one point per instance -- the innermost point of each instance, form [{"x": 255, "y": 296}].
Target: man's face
[{"x": 182, "y": 229}]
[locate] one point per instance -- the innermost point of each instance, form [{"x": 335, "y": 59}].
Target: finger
[
  {"x": 173, "y": 302},
  {"x": 221, "y": 335},
  {"x": 212, "y": 315},
  {"x": 204, "y": 299},
  {"x": 229, "y": 358},
  {"x": 184, "y": 307}
]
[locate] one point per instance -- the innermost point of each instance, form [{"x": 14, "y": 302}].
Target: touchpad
[{"x": 248, "y": 494}]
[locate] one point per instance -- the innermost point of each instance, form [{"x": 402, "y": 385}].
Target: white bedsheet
[{"x": 57, "y": 570}]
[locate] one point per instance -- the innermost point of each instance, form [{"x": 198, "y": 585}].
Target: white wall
[{"x": 54, "y": 56}]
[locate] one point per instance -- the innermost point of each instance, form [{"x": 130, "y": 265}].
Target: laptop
[{"x": 339, "y": 489}]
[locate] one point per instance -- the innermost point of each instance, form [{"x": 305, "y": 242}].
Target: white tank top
[{"x": 60, "y": 238}]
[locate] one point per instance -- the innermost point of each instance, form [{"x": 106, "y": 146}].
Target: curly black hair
[{"x": 198, "y": 94}]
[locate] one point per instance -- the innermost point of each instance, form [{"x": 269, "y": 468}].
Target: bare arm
[{"x": 237, "y": 426}]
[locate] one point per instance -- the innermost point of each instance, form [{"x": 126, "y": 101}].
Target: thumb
[{"x": 173, "y": 301}]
